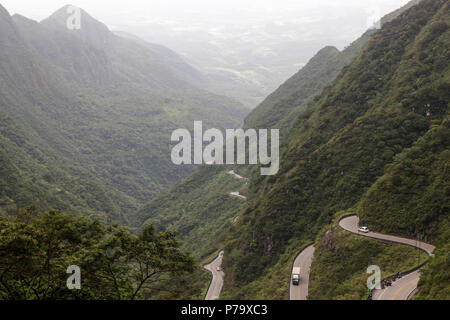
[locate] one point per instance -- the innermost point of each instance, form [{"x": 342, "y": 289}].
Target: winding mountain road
[
  {"x": 215, "y": 287},
  {"x": 303, "y": 260},
  {"x": 236, "y": 175},
  {"x": 237, "y": 194},
  {"x": 216, "y": 284},
  {"x": 351, "y": 224},
  {"x": 400, "y": 289}
]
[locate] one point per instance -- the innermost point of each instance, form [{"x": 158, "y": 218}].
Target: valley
[{"x": 106, "y": 163}]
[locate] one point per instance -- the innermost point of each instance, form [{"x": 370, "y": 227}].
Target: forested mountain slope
[
  {"x": 184, "y": 205},
  {"x": 388, "y": 98},
  {"x": 283, "y": 106},
  {"x": 87, "y": 115},
  {"x": 171, "y": 59},
  {"x": 199, "y": 208},
  {"x": 411, "y": 198}
]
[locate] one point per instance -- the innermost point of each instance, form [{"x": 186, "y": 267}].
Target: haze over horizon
[{"x": 198, "y": 14}]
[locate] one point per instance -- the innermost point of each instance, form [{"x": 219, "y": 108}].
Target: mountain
[
  {"x": 345, "y": 119},
  {"x": 39, "y": 175},
  {"x": 385, "y": 102},
  {"x": 247, "y": 54},
  {"x": 86, "y": 117},
  {"x": 92, "y": 114},
  {"x": 170, "y": 58},
  {"x": 412, "y": 199},
  {"x": 199, "y": 208},
  {"x": 91, "y": 30},
  {"x": 184, "y": 204},
  {"x": 284, "y": 105}
]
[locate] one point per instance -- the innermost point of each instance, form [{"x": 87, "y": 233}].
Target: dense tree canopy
[{"x": 36, "y": 250}]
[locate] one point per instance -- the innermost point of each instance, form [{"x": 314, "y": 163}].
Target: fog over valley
[{"x": 248, "y": 47}]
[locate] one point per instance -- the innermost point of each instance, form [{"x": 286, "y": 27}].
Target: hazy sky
[
  {"x": 245, "y": 37},
  {"x": 275, "y": 33},
  {"x": 119, "y": 11}
]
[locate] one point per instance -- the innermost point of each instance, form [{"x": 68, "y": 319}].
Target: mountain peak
[
  {"x": 327, "y": 51},
  {"x": 3, "y": 11},
  {"x": 18, "y": 18},
  {"x": 90, "y": 29},
  {"x": 8, "y": 31}
]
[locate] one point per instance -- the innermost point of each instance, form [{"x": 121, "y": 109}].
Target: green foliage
[
  {"x": 338, "y": 148},
  {"x": 199, "y": 208},
  {"x": 86, "y": 117},
  {"x": 278, "y": 110},
  {"x": 434, "y": 282},
  {"x": 202, "y": 211},
  {"x": 36, "y": 250},
  {"x": 338, "y": 145},
  {"x": 412, "y": 197},
  {"x": 281, "y": 108},
  {"x": 273, "y": 285},
  {"x": 364, "y": 128}
]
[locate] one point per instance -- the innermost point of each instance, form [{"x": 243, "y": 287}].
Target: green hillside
[
  {"x": 85, "y": 123},
  {"x": 283, "y": 106},
  {"x": 277, "y": 111},
  {"x": 199, "y": 208},
  {"x": 411, "y": 198},
  {"x": 338, "y": 148},
  {"x": 187, "y": 207},
  {"x": 92, "y": 115},
  {"x": 334, "y": 152}
]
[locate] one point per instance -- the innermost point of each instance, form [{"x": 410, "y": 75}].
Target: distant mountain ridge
[
  {"x": 284, "y": 105},
  {"x": 91, "y": 30},
  {"x": 99, "y": 110}
]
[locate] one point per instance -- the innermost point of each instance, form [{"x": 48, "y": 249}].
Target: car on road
[
  {"x": 363, "y": 229},
  {"x": 296, "y": 276},
  {"x": 218, "y": 269},
  {"x": 295, "y": 279}
]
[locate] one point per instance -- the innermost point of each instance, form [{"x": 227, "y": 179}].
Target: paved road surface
[
  {"x": 217, "y": 276},
  {"x": 217, "y": 280},
  {"x": 236, "y": 175},
  {"x": 401, "y": 288},
  {"x": 237, "y": 194},
  {"x": 351, "y": 224},
  {"x": 303, "y": 261}
]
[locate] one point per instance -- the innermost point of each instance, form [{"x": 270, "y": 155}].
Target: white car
[
  {"x": 363, "y": 229},
  {"x": 218, "y": 269}
]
